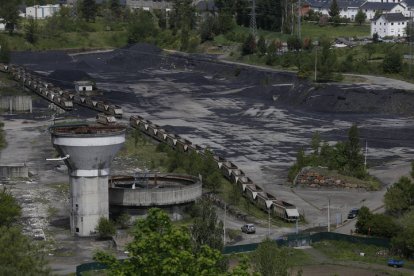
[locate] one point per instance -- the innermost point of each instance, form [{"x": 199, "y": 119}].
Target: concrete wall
[
  {"x": 89, "y": 202},
  {"x": 16, "y": 103},
  {"x": 143, "y": 197},
  {"x": 14, "y": 171}
]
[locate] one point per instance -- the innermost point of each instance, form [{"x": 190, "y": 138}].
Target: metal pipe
[{"x": 59, "y": 158}]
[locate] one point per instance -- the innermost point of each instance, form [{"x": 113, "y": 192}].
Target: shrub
[{"x": 105, "y": 228}]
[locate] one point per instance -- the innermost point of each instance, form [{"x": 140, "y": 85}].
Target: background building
[
  {"x": 41, "y": 12},
  {"x": 389, "y": 24}
]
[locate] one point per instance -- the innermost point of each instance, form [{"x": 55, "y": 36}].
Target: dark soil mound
[
  {"x": 137, "y": 57},
  {"x": 352, "y": 99},
  {"x": 67, "y": 78}
]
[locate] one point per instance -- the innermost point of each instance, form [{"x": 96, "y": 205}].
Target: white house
[
  {"x": 389, "y": 24},
  {"x": 349, "y": 8},
  {"x": 371, "y": 8},
  {"x": 81, "y": 86},
  {"x": 41, "y": 12}
]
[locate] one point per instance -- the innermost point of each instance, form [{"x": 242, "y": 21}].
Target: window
[{"x": 77, "y": 229}]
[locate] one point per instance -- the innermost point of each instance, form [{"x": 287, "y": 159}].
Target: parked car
[
  {"x": 353, "y": 213},
  {"x": 395, "y": 263},
  {"x": 248, "y": 228}
]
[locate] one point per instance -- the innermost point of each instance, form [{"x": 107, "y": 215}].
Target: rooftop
[
  {"x": 392, "y": 17},
  {"x": 89, "y": 129},
  {"x": 378, "y": 6}
]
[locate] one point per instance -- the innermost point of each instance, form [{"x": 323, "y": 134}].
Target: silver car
[{"x": 248, "y": 228}]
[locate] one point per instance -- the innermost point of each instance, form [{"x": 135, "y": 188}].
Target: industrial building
[{"x": 87, "y": 150}]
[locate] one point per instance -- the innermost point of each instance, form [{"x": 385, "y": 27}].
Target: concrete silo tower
[{"x": 87, "y": 151}]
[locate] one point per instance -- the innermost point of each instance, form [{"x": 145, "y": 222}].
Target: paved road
[
  {"x": 385, "y": 82},
  {"x": 387, "y": 175}
]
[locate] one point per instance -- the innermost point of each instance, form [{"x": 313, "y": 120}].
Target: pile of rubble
[{"x": 310, "y": 177}]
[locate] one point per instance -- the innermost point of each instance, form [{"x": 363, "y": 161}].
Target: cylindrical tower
[{"x": 88, "y": 151}]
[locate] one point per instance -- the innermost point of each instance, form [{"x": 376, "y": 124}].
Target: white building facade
[
  {"x": 148, "y": 5},
  {"x": 389, "y": 25},
  {"x": 349, "y": 8},
  {"x": 41, "y": 12}
]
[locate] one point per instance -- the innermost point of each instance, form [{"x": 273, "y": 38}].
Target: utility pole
[
  {"x": 410, "y": 35},
  {"x": 253, "y": 25},
  {"x": 224, "y": 224},
  {"x": 329, "y": 214},
  {"x": 366, "y": 152},
  {"x": 268, "y": 226},
  {"x": 299, "y": 20},
  {"x": 316, "y": 61}
]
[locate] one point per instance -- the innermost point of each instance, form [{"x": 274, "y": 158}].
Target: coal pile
[
  {"x": 57, "y": 59},
  {"x": 332, "y": 99},
  {"x": 136, "y": 57},
  {"x": 67, "y": 78}
]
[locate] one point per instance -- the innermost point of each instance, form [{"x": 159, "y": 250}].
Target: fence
[
  {"x": 307, "y": 239},
  {"x": 289, "y": 240}
]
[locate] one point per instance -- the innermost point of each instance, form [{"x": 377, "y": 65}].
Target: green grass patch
[
  {"x": 346, "y": 251},
  {"x": 142, "y": 152},
  {"x": 315, "y": 31}
]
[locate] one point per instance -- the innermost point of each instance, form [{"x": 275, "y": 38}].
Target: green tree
[
  {"x": 326, "y": 62},
  {"x": 399, "y": 198},
  {"x": 360, "y": 17},
  {"x": 364, "y": 218},
  {"x": 412, "y": 169},
  {"x": 392, "y": 62},
  {"x": 213, "y": 181},
  {"x": 334, "y": 9},
  {"x": 355, "y": 159},
  {"x": 271, "y": 53},
  {"x": 403, "y": 242},
  {"x": 207, "y": 28},
  {"x": 9, "y": 12},
  {"x": 89, "y": 9},
  {"x": 4, "y": 54},
  {"x": 159, "y": 248},
  {"x": 141, "y": 27},
  {"x": 206, "y": 229},
  {"x": 123, "y": 220},
  {"x": 249, "y": 46},
  {"x": 105, "y": 228},
  {"x": 316, "y": 142},
  {"x": 20, "y": 256},
  {"x": 261, "y": 45},
  {"x": 10, "y": 210},
  {"x": 31, "y": 30},
  {"x": 294, "y": 43},
  {"x": 115, "y": 8},
  {"x": 270, "y": 260}
]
